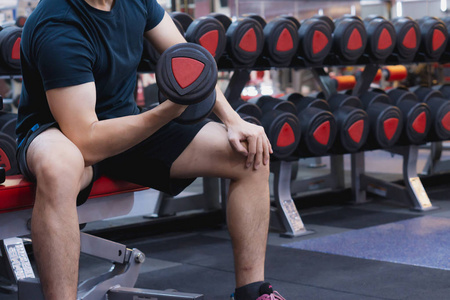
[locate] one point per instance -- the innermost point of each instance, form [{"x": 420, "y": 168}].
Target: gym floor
[{"x": 376, "y": 250}]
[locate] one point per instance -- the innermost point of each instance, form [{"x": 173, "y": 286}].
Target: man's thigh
[
  {"x": 210, "y": 154},
  {"x": 149, "y": 163}
]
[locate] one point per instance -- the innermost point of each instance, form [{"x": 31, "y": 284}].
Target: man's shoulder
[{"x": 49, "y": 12}]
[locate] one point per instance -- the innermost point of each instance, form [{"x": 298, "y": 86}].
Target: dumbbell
[
  {"x": 245, "y": 40},
  {"x": 352, "y": 122},
  {"x": 150, "y": 54},
  {"x": 408, "y": 40},
  {"x": 280, "y": 124},
  {"x": 416, "y": 115},
  {"x": 317, "y": 123},
  {"x": 349, "y": 39},
  {"x": 381, "y": 39},
  {"x": 280, "y": 40},
  {"x": 386, "y": 120},
  {"x": 8, "y": 155},
  {"x": 205, "y": 31},
  {"x": 10, "y": 47},
  {"x": 249, "y": 112},
  {"x": 8, "y": 123},
  {"x": 315, "y": 39},
  {"x": 440, "y": 112},
  {"x": 433, "y": 41},
  {"x": 186, "y": 74}
]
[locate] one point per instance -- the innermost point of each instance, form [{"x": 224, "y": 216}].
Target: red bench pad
[{"x": 18, "y": 193}]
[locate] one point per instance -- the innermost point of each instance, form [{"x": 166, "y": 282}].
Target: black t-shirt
[{"x": 68, "y": 42}]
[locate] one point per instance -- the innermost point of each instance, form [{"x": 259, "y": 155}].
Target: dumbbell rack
[
  {"x": 412, "y": 192},
  {"x": 434, "y": 164}
]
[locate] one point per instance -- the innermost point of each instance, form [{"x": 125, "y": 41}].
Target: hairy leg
[
  {"x": 210, "y": 154},
  {"x": 60, "y": 172}
]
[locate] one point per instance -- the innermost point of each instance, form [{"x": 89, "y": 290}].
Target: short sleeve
[
  {"x": 63, "y": 56},
  {"x": 155, "y": 14}
]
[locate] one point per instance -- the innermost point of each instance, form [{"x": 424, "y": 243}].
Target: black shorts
[{"x": 148, "y": 163}]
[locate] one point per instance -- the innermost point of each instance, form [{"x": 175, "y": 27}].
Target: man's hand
[{"x": 257, "y": 149}]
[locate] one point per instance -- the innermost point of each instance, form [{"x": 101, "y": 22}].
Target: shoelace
[{"x": 274, "y": 296}]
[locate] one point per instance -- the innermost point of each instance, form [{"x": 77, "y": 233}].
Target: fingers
[
  {"x": 251, "y": 151},
  {"x": 259, "y": 153},
  {"x": 259, "y": 150},
  {"x": 267, "y": 148},
  {"x": 251, "y": 141},
  {"x": 238, "y": 146}
]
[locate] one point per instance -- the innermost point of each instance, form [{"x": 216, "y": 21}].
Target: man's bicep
[
  {"x": 74, "y": 109},
  {"x": 63, "y": 57},
  {"x": 164, "y": 35}
]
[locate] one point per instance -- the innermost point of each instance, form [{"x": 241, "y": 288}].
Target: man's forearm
[
  {"x": 110, "y": 137},
  {"x": 223, "y": 109}
]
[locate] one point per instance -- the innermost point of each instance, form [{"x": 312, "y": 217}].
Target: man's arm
[
  {"x": 258, "y": 147},
  {"x": 74, "y": 110}
]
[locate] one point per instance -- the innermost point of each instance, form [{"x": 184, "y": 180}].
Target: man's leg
[
  {"x": 210, "y": 154},
  {"x": 60, "y": 172}
]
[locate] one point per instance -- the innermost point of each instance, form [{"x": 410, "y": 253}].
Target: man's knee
[
  {"x": 55, "y": 161},
  {"x": 261, "y": 174}
]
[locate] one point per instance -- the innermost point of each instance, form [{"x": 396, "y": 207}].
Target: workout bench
[{"x": 108, "y": 198}]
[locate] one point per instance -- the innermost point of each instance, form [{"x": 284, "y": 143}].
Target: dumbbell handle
[{"x": 390, "y": 73}]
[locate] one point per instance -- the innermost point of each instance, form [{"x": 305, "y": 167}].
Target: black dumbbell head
[
  {"x": 10, "y": 47},
  {"x": 293, "y": 19},
  {"x": 353, "y": 127},
  {"x": 315, "y": 39},
  {"x": 257, "y": 18},
  {"x": 245, "y": 41},
  {"x": 440, "y": 111},
  {"x": 8, "y": 124},
  {"x": 246, "y": 108},
  {"x": 283, "y": 130},
  {"x": 416, "y": 115},
  {"x": 281, "y": 41},
  {"x": 389, "y": 125},
  {"x": 302, "y": 102},
  {"x": 417, "y": 121},
  {"x": 184, "y": 19},
  {"x": 339, "y": 100},
  {"x": 327, "y": 20},
  {"x": 250, "y": 119},
  {"x": 349, "y": 38},
  {"x": 318, "y": 128},
  {"x": 434, "y": 36},
  {"x": 223, "y": 19},
  {"x": 186, "y": 73},
  {"x": 209, "y": 33},
  {"x": 381, "y": 37},
  {"x": 268, "y": 103},
  {"x": 408, "y": 37},
  {"x": 8, "y": 154}
]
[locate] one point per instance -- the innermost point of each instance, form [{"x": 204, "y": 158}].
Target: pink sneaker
[
  {"x": 273, "y": 296},
  {"x": 267, "y": 293}
]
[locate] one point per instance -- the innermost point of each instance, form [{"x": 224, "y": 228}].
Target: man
[{"x": 78, "y": 119}]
